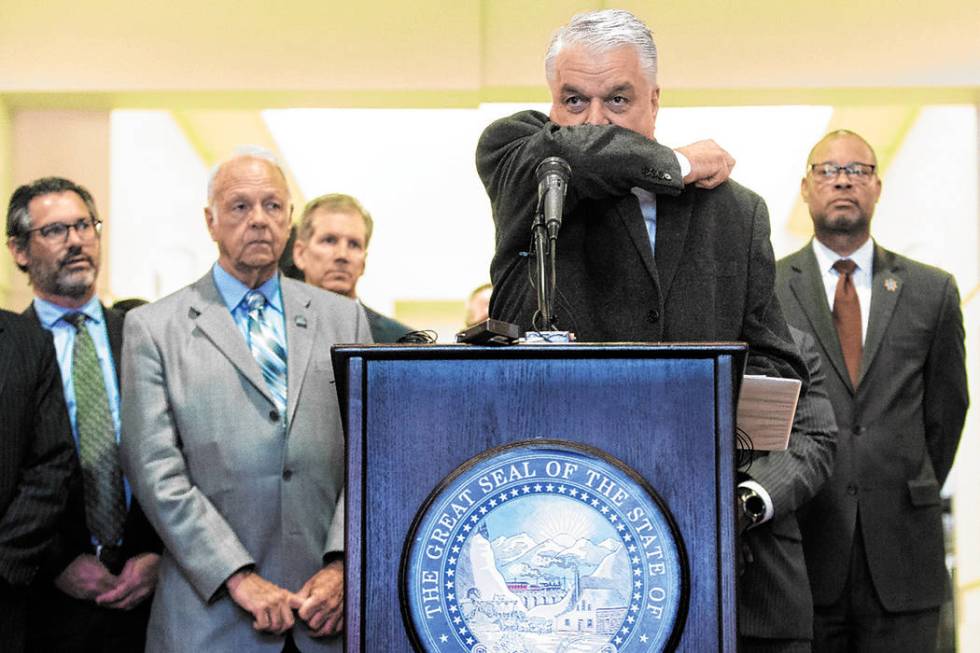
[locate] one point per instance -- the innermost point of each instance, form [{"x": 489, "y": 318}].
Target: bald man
[
  {"x": 890, "y": 333},
  {"x": 233, "y": 438}
]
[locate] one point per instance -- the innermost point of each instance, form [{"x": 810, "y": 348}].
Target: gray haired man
[
  {"x": 655, "y": 245},
  {"x": 233, "y": 438}
]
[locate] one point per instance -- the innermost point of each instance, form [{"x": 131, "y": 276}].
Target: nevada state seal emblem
[{"x": 544, "y": 546}]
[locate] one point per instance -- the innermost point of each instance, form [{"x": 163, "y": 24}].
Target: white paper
[{"x": 766, "y": 407}]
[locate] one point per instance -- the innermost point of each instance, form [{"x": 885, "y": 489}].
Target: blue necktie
[{"x": 267, "y": 348}]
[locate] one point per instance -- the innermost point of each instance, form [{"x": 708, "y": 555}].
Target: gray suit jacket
[
  {"x": 774, "y": 591},
  {"x": 221, "y": 479},
  {"x": 898, "y": 430}
]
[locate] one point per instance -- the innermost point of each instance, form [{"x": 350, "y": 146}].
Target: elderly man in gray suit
[{"x": 233, "y": 438}]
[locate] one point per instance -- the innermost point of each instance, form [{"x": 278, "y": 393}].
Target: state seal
[{"x": 543, "y": 546}]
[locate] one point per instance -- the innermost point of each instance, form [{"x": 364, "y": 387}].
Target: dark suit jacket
[
  {"x": 37, "y": 455},
  {"x": 74, "y": 538},
  {"x": 383, "y": 328},
  {"x": 711, "y": 278},
  {"x": 774, "y": 598},
  {"x": 898, "y": 431}
]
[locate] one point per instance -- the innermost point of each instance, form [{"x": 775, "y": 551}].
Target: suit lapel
[
  {"x": 4, "y": 351},
  {"x": 213, "y": 319},
  {"x": 807, "y": 286},
  {"x": 628, "y": 209},
  {"x": 301, "y": 326},
  {"x": 31, "y": 313},
  {"x": 114, "y": 328},
  {"x": 673, "y": 219},
  {"x": 886, "y": 287}
]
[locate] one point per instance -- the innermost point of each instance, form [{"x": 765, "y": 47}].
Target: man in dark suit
[
  {"x": 103, "y": 567},
  {"x": 775, "y": 610},
  {"x": 646, "y": 252},
  {"x": 37, "y": 460},
  {"x": 331, "y": 249},
  {"x": 641, "y": 255},
  {"x": 890, "y": 332}
]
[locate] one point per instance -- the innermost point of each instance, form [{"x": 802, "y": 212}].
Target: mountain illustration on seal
[{"x": 520, "y": 591}]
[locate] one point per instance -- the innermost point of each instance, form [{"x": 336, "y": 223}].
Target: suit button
[
  {"x": 653, "y": 315},
  {"x": 274, "y": 415},
  {"x": 852, "y": 489},
  {"x": 287, "y": 474},
  {"x": 857, "y": 429}
]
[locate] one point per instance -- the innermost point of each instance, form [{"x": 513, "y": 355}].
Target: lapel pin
[
  {"x": 301, "y": 321},
  {"x": 891, "y": 285}
]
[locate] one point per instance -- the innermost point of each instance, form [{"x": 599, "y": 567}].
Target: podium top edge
[{"x": 543, "y": 350}]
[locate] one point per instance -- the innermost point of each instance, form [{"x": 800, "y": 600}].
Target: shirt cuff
[
  {"x": 766, "y": 499},
  {"x": 684, "y": 164}
]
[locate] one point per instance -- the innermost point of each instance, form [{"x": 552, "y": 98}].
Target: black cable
[
  {"x": 420, "y": 337},
  {"x": 744, "y": 450}
]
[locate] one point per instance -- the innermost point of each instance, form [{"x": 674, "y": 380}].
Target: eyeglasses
[
  {"x": 857, "y": 172},
  {"x": 86, "y": 228}
]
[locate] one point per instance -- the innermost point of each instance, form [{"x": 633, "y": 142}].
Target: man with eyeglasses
[
  {"x": 890, "y": 332},
  {"x": 103, "y": 566}
]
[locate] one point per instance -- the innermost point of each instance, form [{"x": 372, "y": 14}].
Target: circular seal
[{"x": 543, "y": 546}]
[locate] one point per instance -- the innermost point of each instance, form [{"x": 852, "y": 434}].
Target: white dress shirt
[{"x": 863, "y": 258}]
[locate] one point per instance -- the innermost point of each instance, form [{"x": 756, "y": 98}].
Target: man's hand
[
  {"x": 135, "y": 583},
  {"x": 85, "y": 578},
  {"x": 270, "y": 605},
  {"x": 710, "y": 165},
  {"x": 323, "y": 605}
]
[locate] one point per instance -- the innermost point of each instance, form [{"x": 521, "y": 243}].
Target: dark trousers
[
  {"x": 13, "y": 618},
  {"x": 858, "y": 623},
  {"x": 765, "y": 645},
  {"x": 61, "y": 624}
]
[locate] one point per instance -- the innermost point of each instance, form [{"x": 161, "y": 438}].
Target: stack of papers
[{"x": 766, "y": 407}]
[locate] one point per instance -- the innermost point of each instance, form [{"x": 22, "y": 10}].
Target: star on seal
[{"x": 891, "y": 285}]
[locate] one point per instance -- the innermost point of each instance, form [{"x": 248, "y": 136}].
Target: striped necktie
[
  {"x": 267, "y": 348},
  {"x": 105, "y": 499}
]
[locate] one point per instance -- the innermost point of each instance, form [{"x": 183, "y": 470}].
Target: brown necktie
[{"x": 847, "y": 317}]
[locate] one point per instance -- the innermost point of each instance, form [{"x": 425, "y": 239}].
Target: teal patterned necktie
[
  {"x": 267, "y": 348},
  {"x": 105, "y": 499}
]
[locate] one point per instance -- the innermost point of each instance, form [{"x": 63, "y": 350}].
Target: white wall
[{"x": 158, "y": 192}]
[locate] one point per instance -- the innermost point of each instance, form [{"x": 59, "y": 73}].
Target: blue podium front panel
[{"x": 420, "y": 422}]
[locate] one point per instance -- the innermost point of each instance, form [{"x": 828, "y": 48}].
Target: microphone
[{"x": 553, "y": 174}]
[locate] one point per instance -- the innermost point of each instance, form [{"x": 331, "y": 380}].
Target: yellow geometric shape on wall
[
  {"x": 884, "y": 127},
  {"x": 214, "y": 135}
]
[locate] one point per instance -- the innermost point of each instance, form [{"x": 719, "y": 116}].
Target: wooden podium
[{"x": 414, "y": 414}]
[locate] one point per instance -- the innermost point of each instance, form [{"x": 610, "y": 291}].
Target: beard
[
  {"x": 848, "y": 223},
  {"x": 58, "y": 280}
]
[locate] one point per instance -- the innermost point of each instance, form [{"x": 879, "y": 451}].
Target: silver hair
[
  {"x": 601, "y": 31},
  {"x": 245, "y": 152}
]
